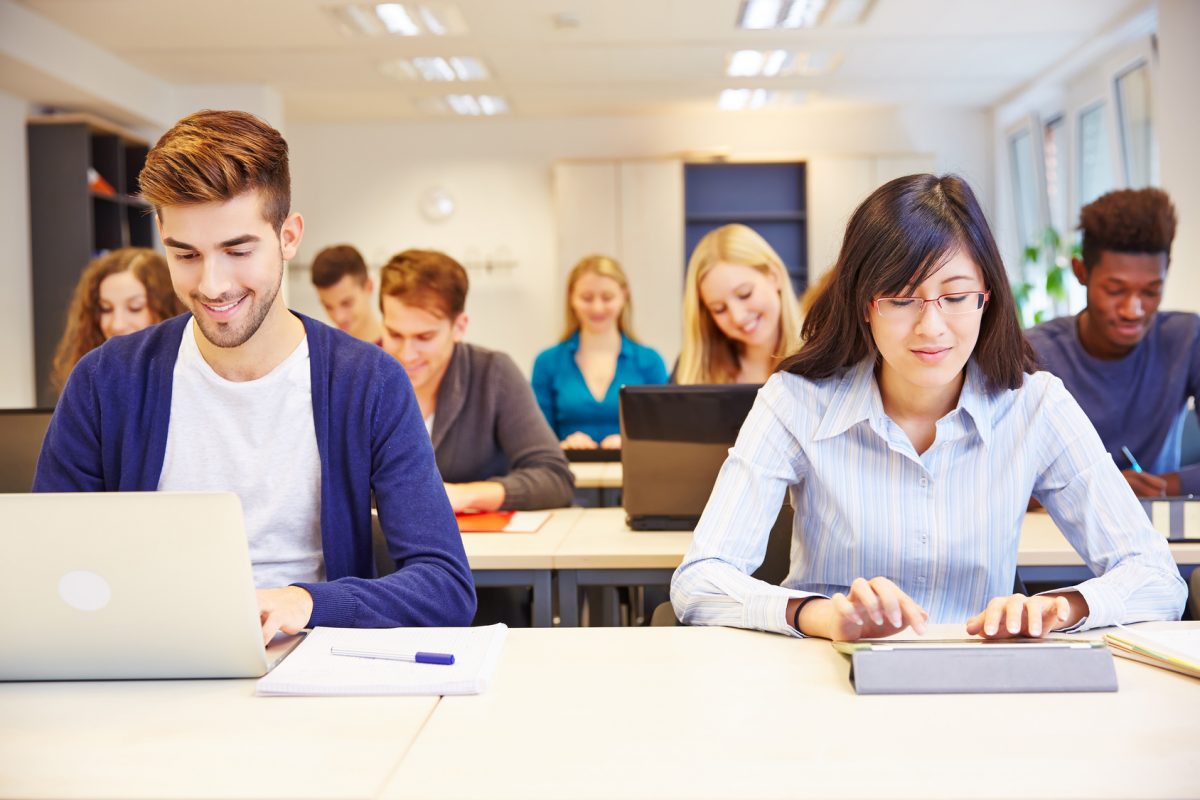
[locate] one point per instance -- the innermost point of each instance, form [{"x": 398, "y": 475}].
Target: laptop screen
[{"x": 674, "y": 440}]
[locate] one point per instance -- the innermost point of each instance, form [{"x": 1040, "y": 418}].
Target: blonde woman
[
  {"x": 740, "y": 315},
  {"x": 577, "y": 381}
]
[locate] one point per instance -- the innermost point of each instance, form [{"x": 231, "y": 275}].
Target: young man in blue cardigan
[{"x": 302, "y": 421}]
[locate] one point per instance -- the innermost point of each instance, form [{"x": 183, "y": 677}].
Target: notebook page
[
  {"x": 312, "y": 670},
  {"x": 1184, "y": 642},
  {"x": 527, "y": 521}
]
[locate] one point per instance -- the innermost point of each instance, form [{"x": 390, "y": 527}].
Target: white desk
[
  {"x": 607, "y": 712},
  {"x": 1046, "y": 552},
  {"x": 597, "y": 483},
  {"x": 522, "y": 559},
  {"x": 151, "y": 739},
  {"x": 722, "y": 713},
  {"x": 601, "y": 550},
  {"x": 597, "y": 474}
]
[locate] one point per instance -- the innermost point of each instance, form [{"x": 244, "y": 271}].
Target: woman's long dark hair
[{"x": 900, "y": 235}]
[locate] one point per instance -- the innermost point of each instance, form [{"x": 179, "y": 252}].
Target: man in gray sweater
[{"x": 492, "y": 445}]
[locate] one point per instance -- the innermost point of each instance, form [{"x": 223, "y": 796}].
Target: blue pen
[
  {"x": 1132, "y": 461},
  {"x": 445, "y": 659}
]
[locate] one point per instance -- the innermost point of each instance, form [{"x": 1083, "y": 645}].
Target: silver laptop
[{"x": 128, "y": 585}]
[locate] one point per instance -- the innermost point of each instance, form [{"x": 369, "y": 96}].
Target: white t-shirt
[{"x": 257, "y": 439}]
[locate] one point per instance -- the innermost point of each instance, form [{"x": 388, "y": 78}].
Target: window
[
  {"x": 1139, "y": 152},
  {"x": 1025, "y": 187},
  {"x": 1054, "y": 152},
  {"x": 1095, "y": 172}
]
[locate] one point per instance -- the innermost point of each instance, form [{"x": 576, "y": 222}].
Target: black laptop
[
  {"x": 21, "y": 434},
  {"x": 674, "y": 440}
]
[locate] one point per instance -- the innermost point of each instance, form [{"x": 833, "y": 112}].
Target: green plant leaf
[{"x": 1056, "y": 283}]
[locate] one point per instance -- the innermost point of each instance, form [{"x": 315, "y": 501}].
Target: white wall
[
  {"x": 16, "y": 306},
  {"x": 361, "y": 184},
  {"x": 1177, "y": 116},
  {"x": 67, "y": 69}
]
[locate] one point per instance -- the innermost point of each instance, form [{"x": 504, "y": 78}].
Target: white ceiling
[{"x": 625, "y": 56}]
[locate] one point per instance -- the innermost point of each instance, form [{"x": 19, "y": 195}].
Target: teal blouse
[{"x": 565, "y": 399}]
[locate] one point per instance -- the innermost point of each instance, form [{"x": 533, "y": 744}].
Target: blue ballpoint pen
[
  {"x": 445, "y": 659},
  {"x": 1132, "y": 461}
]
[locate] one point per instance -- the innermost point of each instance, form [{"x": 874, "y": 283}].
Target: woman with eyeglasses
[{"x": 911, "y": 428}]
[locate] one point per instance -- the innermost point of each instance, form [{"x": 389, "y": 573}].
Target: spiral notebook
[{"x": 313, "y": 669}]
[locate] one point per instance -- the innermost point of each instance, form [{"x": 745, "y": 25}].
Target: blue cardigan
[
  {"x": 109, "y": 433},
  {"x": 567, "y": 402}
]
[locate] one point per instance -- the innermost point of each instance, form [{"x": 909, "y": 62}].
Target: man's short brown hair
[
  {"x": 1127, "y": 221},
  {"x": 336, "y": 262},
  {"x": 214, "y": 156},
  {"x": 427, "y": 279}
]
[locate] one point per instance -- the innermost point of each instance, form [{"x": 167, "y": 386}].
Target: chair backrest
[
  {"x": 384, "y": 565},
  {"x": 777, "y": 562},
  {"x": 21, "y": 434},
  {"x": 1194, "y": 594},
  {"x": 1189, "y": 448}
]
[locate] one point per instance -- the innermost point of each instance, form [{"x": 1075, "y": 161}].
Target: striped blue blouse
[{"x": 944, "y": 525}]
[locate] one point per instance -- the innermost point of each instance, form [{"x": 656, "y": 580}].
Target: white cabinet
[{"x": 632, "y": 211}]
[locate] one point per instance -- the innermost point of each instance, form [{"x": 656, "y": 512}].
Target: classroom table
[
  {"x": 601, "y": 550},
  {"x": 1046, "y": 555},
  {"x": 597, "y": 474},
  {"x": 522, "y": 559},
  {"x": 720, "y": 713},
  {"x": 607, "y": 712},
  {"x": 151, "y": 739},
  {"x": 603, "y": 478}
]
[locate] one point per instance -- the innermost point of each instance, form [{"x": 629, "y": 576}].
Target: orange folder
[{"x": 486, "y": 522}]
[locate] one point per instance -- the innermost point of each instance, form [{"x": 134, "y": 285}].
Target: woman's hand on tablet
[
  {"x": 872, "y": 608},
  {"x": 1018, "y": 615}
]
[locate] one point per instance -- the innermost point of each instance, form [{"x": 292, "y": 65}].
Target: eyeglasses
[{"x": 913, "y": 307}]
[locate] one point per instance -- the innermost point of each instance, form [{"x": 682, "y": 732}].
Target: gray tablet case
[{"x": 979, "y": 667}]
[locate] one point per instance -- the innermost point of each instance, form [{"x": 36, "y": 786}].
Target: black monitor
[
  {"x": 592, "y": 456},
  {"x": 674, "y": 440}
]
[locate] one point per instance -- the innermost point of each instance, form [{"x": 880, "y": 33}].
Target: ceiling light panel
[
  {"x": 779, "y": 63},
  {"x": 436, "y": 68},
  {"x": 847, "y": 12},
  {"x": 398, "y": 19},
  {"x": 752, "y": 99},
  {"x": 470, "y": 105},
  {"x": 775, "y": 14},
  {"x": 468, "y": 68}
]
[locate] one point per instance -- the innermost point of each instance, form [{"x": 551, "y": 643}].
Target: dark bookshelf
[
  {"x": 771, "y": 198},
  {"x": 70, "y": 224}
]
